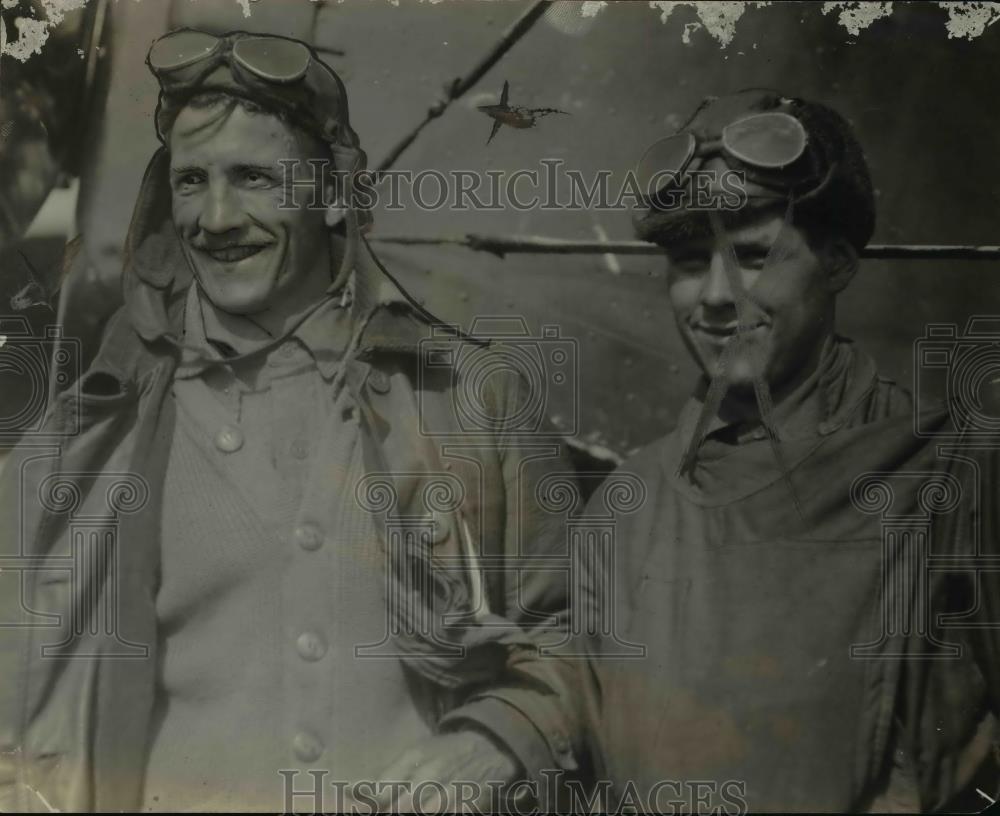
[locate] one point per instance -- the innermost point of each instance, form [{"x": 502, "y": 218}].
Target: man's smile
[
  {"x": 233, "y": 253},
  {"x": 722, "y": 332}
]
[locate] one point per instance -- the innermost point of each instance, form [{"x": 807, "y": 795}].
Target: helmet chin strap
[
  {"x": 737, "y": 345},
  {"x": 336, "y": 211},
  {"x": 349, "y": 248}
]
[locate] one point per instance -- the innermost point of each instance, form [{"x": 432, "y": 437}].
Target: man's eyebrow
[
  {"x": 188, "y": 168},
  {"x": 260, "y": 168}
]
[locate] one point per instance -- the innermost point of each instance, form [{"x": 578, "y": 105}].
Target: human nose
[
  {"x": 716, "y": 290},
  {"x": 220, "y": 211}
]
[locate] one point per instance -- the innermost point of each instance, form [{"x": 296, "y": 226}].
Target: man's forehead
[
  {"x": 227, "y": 130},
  {"x": 739, "y": 228}
]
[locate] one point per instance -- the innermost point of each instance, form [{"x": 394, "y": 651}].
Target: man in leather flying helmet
[
  {"x": 278, "y": 640},
  {"x": 794, "y": 658}
]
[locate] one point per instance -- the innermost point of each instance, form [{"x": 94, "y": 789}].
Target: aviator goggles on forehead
[
  {"x": 181, "y": 56},
  {"x": 278, "y": 70},
  {"x": 763, "y": 141}
]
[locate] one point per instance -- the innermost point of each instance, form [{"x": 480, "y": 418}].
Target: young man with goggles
[
  {"x": 301, "y": 618},
  {"x": 794, "y": 657}
]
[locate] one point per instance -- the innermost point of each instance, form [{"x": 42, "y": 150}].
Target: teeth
[{"x": 237, "y": 253}]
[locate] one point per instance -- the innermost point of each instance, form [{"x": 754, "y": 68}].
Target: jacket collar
[
  {"x": 325, "y": 332},
  {"x": 821, "y": 404}
]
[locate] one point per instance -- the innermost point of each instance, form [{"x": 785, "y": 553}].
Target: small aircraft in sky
[{"x": 513, "y": 115}]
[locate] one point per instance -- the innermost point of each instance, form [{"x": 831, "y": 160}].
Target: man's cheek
[
  {"x": 683, "y": 296},
  {"x": 265, "y": 207},
  {"x": 185, "y": 216}
]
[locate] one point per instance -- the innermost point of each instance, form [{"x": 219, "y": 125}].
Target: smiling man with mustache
[
  {"x": 776, "y": 678},
  {"x": 300, "y": 614},
  {"x": 250, "y": 255}
]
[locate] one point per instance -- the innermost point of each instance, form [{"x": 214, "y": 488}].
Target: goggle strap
[
  {"x": 781, "y": 248},
  {"x": 710, "y": 407},
  {"x": 762, "y": 390}
]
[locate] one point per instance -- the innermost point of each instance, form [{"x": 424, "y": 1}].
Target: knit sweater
[{"x": 271, "y": 575}]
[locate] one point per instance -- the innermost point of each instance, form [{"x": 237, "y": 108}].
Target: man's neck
[
  {"x": 741, "y": 406},
  {"x": 243, "y": 332},
  {"x": 279, "y": 319}
]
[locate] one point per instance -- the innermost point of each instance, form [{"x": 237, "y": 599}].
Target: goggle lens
[
  {"x": 181, "y": 49},
  {"x": 663, "y": 162},
  {"x": 766, "y": 140},
  {"x": 273, "y": 59}
]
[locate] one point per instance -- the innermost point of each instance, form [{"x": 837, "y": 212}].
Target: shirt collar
[
  {"x": 813, "y": 408},
  {"x": 210, "y": 332}
]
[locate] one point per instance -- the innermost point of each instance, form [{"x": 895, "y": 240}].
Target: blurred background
[{"x": 920, "y": 102}]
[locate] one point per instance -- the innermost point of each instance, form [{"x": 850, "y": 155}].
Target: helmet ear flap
[{"x": 351, "y": 162}]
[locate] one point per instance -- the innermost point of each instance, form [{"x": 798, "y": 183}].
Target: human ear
[
  {"x": 333, "y": 199},
  {"x": 840, "y": 259}
]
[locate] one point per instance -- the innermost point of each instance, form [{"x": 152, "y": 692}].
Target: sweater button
[
  {"x": 310, "y": 646},
  {"x": 308, "y": 537},
  {"x": 439, "y": 528},
  {"x": 379, "y": 382},
  {"x": 229, "y": 439},
  {"x": 307, "y": 747}
]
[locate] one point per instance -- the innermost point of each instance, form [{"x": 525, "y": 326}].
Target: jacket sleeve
[{"x": 542, "y": 708}]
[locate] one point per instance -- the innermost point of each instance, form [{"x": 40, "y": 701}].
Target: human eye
[
  {"x": 752, "y": 257},
  {"x": 256, "y": 178},
  {"x": 690, "y": 259},
  {"x": 188, "y": 179}
]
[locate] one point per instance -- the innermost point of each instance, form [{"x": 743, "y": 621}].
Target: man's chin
[
  {"x": 235, "y": 299},
  {"x": 739, "y": 373}
]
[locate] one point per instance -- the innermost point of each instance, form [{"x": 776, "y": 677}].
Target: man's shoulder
[
  {"x": 650, "y": 457},
  {"x": 122, "y": 354},
  {"x": 887, "y": 399},
  {"x": 399, "y": 326},
  {"x": 638, "y": 477}
]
